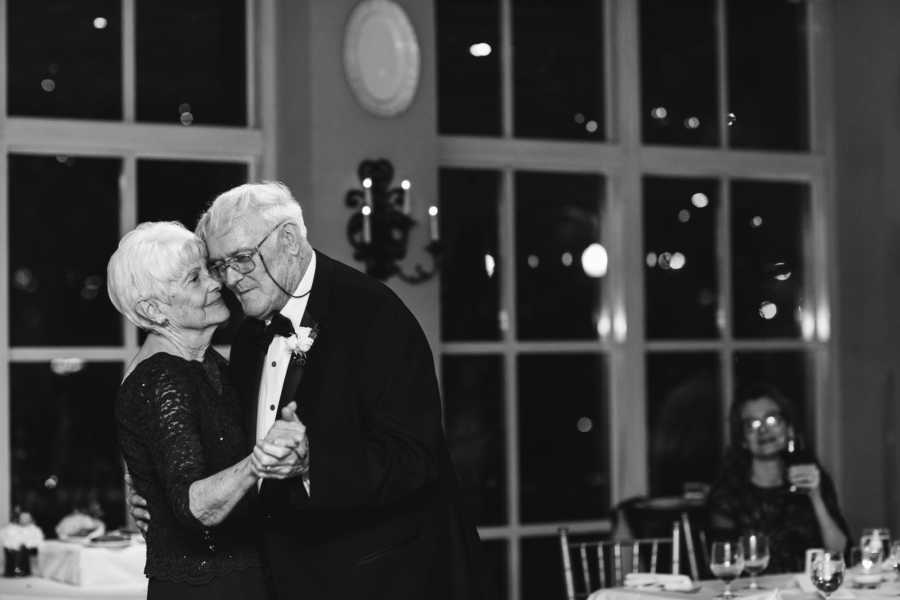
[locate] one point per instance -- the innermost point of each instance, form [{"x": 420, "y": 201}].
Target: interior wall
[
  {"x": 323, "y": 134},
  {"x": 867, "y": 135}
]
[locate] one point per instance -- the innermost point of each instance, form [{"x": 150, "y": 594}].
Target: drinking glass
[
  {"x": 755, "y": 547},
  {"x": 726, "y": 561},
  {"x": 828, "y": 573},
  {"x": 874, "y": 546},
  {"x": 795, "y": 454}
]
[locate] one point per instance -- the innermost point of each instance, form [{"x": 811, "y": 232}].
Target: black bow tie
[{"x": 279, "y": 325}]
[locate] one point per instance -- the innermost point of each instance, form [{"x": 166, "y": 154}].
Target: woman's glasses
[{"x": 770, "y": 421}]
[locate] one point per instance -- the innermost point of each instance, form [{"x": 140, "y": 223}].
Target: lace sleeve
[{"x": 175, "y": 446}]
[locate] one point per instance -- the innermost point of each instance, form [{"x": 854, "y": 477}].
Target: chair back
[{"x": 589, "y": 564}]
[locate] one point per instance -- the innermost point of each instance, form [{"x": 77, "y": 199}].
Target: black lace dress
[
  {"x": 178, "y": 422},
  {"x": 786, "y": 517}
]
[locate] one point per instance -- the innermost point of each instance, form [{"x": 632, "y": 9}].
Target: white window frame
[
  {"x": 130, "y": 141},
  {"x": 624, "y": 160}
]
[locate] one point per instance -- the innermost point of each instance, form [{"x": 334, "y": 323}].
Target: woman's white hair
[
  {"x": 145, "y": 264},
  {"x": 270, "y": 201}
]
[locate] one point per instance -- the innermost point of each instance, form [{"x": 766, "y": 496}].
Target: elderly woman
[
  {"x": 180, "y": 424},
  {"x": 761, "y": 489}
]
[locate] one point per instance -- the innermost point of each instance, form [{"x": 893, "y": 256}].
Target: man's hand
[
  {"x": 137, "y": 506},
  {"x": 284, "y": 452}
]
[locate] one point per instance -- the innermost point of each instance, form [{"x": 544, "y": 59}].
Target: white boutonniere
[{"x": 300, "y": 343}]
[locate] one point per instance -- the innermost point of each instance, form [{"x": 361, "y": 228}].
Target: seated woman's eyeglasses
[{"x": 771, "y": 421}]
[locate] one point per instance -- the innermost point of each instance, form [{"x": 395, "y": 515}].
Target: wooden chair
[{"x": 592, "y": 564}]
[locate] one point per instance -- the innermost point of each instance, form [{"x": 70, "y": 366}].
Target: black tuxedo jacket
[{"x": 383, "y": 519}]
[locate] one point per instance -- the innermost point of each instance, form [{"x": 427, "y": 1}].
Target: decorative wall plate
[{"x": 381, "y": 57}]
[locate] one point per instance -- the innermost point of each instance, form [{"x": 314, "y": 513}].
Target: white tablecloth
[
  {"x": 785, "y": 585},
  {"x": 31, "y": 588},
  {"x": 86, "y": 566}
]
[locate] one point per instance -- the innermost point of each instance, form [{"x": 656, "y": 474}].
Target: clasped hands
[{"x": 284, "y": 452}]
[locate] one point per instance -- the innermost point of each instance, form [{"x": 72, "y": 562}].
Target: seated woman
[
  {"x": 180, "y": 424},
  {"x": 795, "y": 506}
]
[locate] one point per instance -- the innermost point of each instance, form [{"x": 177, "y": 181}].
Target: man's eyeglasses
[
  {"x": 241, "y": 261},
  {"x": 772, "y": 421}
]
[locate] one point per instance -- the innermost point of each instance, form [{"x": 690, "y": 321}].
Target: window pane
[
  {"x": 684, "y": 420},
  {"x": 473, "y": 407},
  {"x": 681, "y": 281},
  {"x": 65, "y": 58},
  {"x": 563, "y": 436},
  {"x": 57, "y": 273},
  {"x": 767, "y": 74},
  {"x": 171, "y": 190},
  {"x": 558, "y": 69},
  {"x": 678, "y": 72},
  {"x": 497, "y": 566},
  {"x": 470, "y": 277},
  {"x": 468, "y": 48},
  {"x": 191, "y": 62},
  {"x": 769, "y": 228},
  {"x": 790, "y": 372},
  {"x": 559, "y": 256},
  {"x": 64, "y": 450},
  {"x": 541, "y": 569}
]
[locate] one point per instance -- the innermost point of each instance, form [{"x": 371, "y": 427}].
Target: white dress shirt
[{"x": 278, "y": 358}]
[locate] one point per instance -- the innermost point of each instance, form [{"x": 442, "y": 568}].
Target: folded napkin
[{"x": 673, "y": 583}]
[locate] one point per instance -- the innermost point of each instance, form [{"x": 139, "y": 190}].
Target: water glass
[
  {"x": 828, "y": 573},
  {"x": 726, "y": 561},
  {"x": 874, "y": 546},
  {"x": 755, "y": 547}
]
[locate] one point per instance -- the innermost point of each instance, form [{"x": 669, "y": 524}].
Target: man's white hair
[
  {"x": 146, "y": 263},
  {"x": 271, "y": 201}
]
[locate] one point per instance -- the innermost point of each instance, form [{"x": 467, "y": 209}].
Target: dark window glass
[
  {"x": 171, "y": 190},
  {"x": 769, "y": 225},
  {"x": 470, "y": 274},
  {"x": 563, "y": 436},
  {"x": 791, "y": 373},
  {"x": 473, "y": 409},
  {"x": 57, "y": 272},
  {"x": 64, "y": 450},
  {"x": 682, "y": 287},
  {"x": 468, "y": 55},
  {"x": 559, "y": 255},
  {"x": 684, "y": 420},
  {"x": 768, "y": 91},
  {"x": 678, "y": 73},
  {"x": 65, "y": 58},
  {"x": 191, "y": 62},
  {"x": 541, "y": 569},
  {"x": 496, "y": 554},
  {"x": 558, "y": 69}
]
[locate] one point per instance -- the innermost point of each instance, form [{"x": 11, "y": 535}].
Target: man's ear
[
  {"x": 152, "y": 312},
  {"x": 291, "y": 238}
]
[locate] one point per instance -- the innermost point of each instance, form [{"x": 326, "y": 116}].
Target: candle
[
  {"x": 366, "y": 224},
  {"x": 407, "y": 198},
  {"x": 367, "y": 189},
  {"x": 433, "y": 222}
]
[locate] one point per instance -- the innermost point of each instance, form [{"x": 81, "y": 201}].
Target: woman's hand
[
  {"x": 284, "y": 452},
  {"x": 806, "y": 478}
]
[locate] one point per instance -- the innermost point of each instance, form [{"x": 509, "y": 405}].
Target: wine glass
[
  {"x": 726, "y": 561},
  {"x": 828, "y": 573},
  {"x": 755, "y": 547},
  {"x": 874, "y": 545}
]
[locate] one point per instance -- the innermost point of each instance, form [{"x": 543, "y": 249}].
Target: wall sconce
[{"x": 379, "y": 228}]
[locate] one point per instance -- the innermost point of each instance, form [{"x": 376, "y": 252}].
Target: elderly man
[{"x": 369, "y": 507}]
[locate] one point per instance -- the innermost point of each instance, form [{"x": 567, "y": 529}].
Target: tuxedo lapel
[{"x": 315, "y": 316}]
